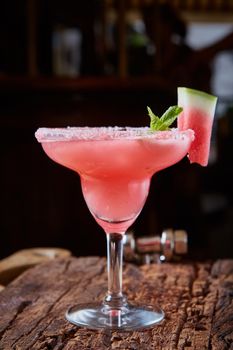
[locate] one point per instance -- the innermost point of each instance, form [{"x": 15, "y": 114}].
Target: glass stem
[{"x": 114, "y": 297}]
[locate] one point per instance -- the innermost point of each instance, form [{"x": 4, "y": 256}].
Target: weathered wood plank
[
  {"x": 222, "y": 334},
  {"x": 197, "y": 300}
]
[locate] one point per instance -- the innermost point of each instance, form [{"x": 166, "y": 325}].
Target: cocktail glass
[{"x": 115, "y": 167}]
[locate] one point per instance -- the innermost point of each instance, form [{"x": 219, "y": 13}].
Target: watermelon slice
[{"x": 198, "y": 114}]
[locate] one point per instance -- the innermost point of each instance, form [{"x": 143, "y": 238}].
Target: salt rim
[{"x": 107, "y": 133}]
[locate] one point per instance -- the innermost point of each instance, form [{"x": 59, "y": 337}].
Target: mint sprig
[{"x": 167, "y": 119}]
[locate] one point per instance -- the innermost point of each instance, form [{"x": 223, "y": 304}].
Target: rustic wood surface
[{"x": 197, "y": 300}]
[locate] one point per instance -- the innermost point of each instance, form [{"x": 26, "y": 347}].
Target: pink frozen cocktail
[{"x": 115, "y": 166}]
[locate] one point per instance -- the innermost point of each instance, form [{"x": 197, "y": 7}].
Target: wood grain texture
[{"x": 197, "y": 300}]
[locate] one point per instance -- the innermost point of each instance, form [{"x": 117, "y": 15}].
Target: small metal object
[
  {"x": 149, "y": 249},
  {"x": 181, "y": 242},
  {"x": 129, "y": 247},
  {"x": 167, "y": 242},
  {"x": 149, "y": 244},
  {"x": 155, "y": 249}
]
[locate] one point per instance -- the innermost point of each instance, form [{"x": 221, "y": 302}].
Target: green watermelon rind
[
  {"x": 198, "y": 99},
  {"x": 199, "y": 93}
]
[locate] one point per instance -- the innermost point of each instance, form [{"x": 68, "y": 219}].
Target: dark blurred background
[{"x": 101, "y": 63}]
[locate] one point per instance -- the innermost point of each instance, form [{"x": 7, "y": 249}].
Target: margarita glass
[{"x": 115, "y": 167}]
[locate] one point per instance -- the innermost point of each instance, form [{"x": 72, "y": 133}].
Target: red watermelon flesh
[{"x": 198, "y": 114}]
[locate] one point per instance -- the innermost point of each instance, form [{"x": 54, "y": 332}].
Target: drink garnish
[
  {"x": 167, "y": 119},
  {"x": 198, "y": 115}
]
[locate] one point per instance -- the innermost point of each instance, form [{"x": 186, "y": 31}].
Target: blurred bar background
[{"x": 101, "y": 63}]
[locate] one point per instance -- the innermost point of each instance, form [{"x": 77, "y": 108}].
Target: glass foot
[{"x": 128, "y": 317}]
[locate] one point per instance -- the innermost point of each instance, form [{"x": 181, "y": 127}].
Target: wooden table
[{"x": 197, "y": 300}]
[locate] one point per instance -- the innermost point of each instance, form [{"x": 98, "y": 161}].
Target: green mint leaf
[
  {"x": 170, "y": 115},
  {"x": 166, "y": 120},
  {"x": 154, "y": 119}
]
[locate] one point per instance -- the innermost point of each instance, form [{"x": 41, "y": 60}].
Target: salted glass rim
[{"x": 108, "y": 133}]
